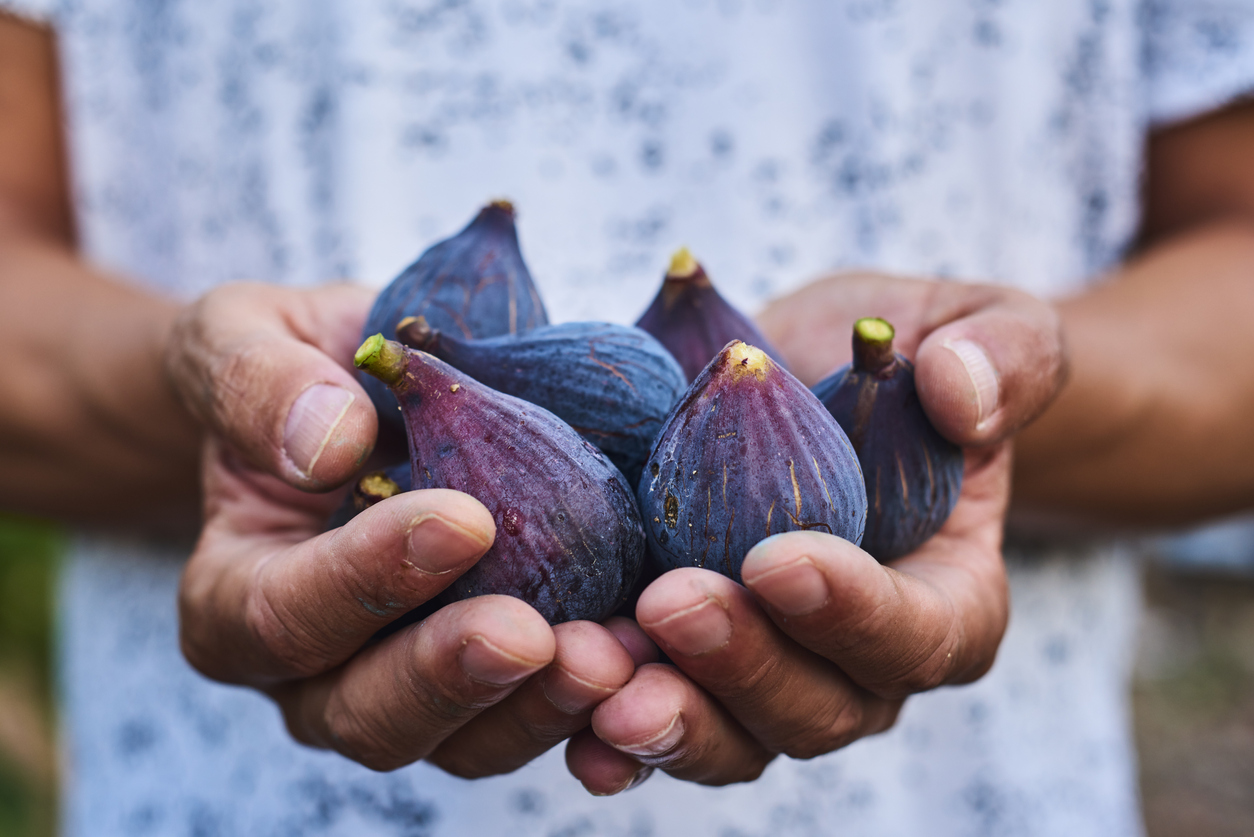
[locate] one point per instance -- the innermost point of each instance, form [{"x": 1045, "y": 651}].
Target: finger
[
  {"x": 636, "y": 641},
  {"x": 813, "y": 326},
  {"x": 601, "y": 769},
  {"x": 262, "y": 607},
  {"x": 663, "y": 719},
  {"x": 396, "y": 701},
  {"x": 267, "y": 369},
  {"x": 589, "y": 665},
  {"x": 988, "y": 359},
  {"x": 983, "y": 375},
  {"x": 935, "y": 617},
  {"x": 790, "y": 699}
]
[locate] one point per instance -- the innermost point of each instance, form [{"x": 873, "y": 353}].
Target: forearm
[
  {"x": 1153, "y": 426},
  {"x": 91, "y": 431}
]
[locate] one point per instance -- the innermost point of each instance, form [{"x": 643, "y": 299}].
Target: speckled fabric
[{"x": 296, "y": 141}]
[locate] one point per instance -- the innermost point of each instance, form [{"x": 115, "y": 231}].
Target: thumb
[
  {"x": 984, "y": 376},
  {"x": 265, "y": 369}
]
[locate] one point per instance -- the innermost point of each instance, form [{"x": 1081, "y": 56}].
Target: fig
[
  {"x": 474, "y": 284},
  {"x": 614, "y": 384},
  {"x": 693, "y": 321},
  {"x": 913, "y": 474},
  {"x": 747, "y": 453},
  {"x": 569, "y": 540}
]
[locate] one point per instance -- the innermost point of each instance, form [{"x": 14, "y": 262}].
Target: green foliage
[{"x": 29, "y": 554}]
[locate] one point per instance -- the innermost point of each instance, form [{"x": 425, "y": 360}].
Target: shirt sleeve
[
  {"x": 1198, "y": 54},
  {"x": 43, "y": 11}
]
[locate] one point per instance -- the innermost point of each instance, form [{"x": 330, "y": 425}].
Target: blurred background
[{"x": 1193, "y": 694}]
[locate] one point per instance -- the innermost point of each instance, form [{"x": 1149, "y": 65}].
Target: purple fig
[
  {"x": 747, "y": 453},
  {"x": 614, "y": 384},
  {"x": 474, "y": 284},
  {"x": 693, "y": 321},
  {"x": 913, "y": 473},
  {"x": 569, "y": 541}
]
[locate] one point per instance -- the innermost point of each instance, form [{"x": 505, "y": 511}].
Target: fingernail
[
  {"x": 312, "y": 422},
  {"x": 637, "y": 778},
  {"x": 641, "y": 774},
  {"x": 483, "y": 661},
  {"x": 982, "y": 374},
  {"x": 438, "y": 546},
  {"x": 695, "y": 630},
  {"x": 794, "y": 589},
  {"x": 559, "y": 687},
  {"x": 663, "y": 742}
]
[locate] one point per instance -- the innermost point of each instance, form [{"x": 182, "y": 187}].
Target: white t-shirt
[{"x": 297, "y": 141}]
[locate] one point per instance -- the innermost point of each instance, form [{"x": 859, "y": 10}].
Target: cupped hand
[
  {"x": 822, "y": 644},
  {"x": 270, "y": 600}
]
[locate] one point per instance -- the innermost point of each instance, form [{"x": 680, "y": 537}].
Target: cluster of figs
[{"x": 608, "y": 454}]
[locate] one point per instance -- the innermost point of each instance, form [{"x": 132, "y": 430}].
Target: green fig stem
[
  {"x": 873, "y": 346},
  {"x": 382, "y": 358},
  {"x": 416, "y": 333}
]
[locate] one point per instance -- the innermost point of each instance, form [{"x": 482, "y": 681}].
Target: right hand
[{"x": 271, "y": 601}]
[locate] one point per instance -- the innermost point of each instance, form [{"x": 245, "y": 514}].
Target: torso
[{"x": 298, "y": 142}]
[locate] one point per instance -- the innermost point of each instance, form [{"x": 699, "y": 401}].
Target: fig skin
[
  {"x": 748, "y": 452},
  {"x": 913, "y": 473},
  {"x": 614, "y": 384},
  {"x": 569, "y": 540},
  {"x": 474, "y": 284},
  {"x": 693, "y": 320}
]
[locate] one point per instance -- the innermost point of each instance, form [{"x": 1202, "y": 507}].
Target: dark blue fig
[
  {"x": 569, "y": 541},
  {"x": 474, "y": 284},
  {"x": 913, "y": 473},
  {"x": 693, "y": 321},
  {"x": 747, "y": 453},
  {"x": 614, "y": 384}
]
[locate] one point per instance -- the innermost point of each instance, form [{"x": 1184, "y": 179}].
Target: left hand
[{"x": 823, "y": 644}]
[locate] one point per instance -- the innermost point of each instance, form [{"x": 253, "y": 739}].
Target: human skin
[
  {"x": 255, "y": 380},
  {"x": 1149, "y": 430}
]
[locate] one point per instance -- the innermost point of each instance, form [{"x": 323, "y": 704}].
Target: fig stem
[
  {"x": 743, "y": 359},
  {"x": 873, "y": 346},
  {"x": 416, "y": 333},
  {"x": 382, "y": 358},
  {"x": 682, "y": 265},
  {"x": 374, "y": 488}
]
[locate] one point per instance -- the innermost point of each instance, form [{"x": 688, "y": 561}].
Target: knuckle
[
  {"x": 362, "y": 741},
  {"x": 198, "y": 656},
  {"x": 440, "y": 703},
  {"x": 755, "y": 685},
  {"x": 457, "y": 762},
  {"x": 748, "y": 769},
  {"x": 200, "y": 644},
  {"x": 934, "y": 670},
  {"x": 282, "y": 643},
  {"x": 836, "y": 725}
]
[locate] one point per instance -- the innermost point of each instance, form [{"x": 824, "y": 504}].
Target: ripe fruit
[
  {"x": 569, "y": 540},
  {"x": 748, "y": 452},
  {"x": 613, "y": 384},
  {"x": 474, "y": 284},
  {"x": 913, "y": 474},
  {"x": 692, "y": 320}
]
